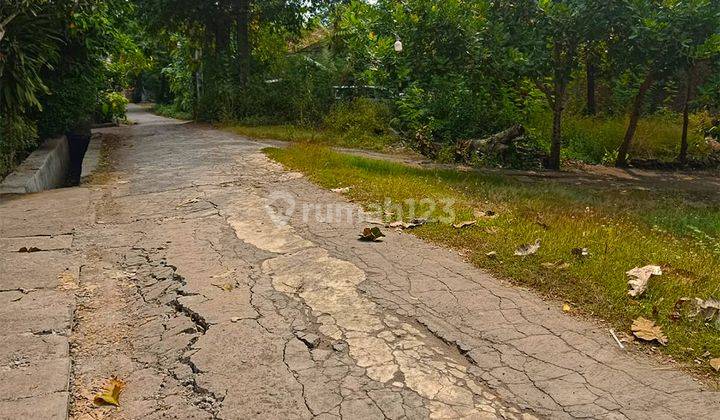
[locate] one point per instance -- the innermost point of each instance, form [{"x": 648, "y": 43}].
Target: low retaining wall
[{"x": 45, "y": 169}]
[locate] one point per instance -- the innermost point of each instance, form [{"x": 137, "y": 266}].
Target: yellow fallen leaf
[
  {"x": 567, "y": 308},
  {"x": 558, "y": 265},
  {"x": 645, "y": 329},
  {"x": 67, "y": 281},
  {"x": 225, "y": 286},
  {"x": 111, "y": 394},
  {"x": 715, "y": 364}
]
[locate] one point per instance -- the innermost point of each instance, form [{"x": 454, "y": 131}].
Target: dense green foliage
[
  {"x": 60, "y": 62},
  {"x": 439, "y": 73},
  {"x": 453, "y": 70}
]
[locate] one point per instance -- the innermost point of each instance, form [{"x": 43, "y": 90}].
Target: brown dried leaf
[
  {"x": 111, "y": 394},
  {"x": 639, "y": 278},
  {"x": 708, "y": 309},
  {"x": 646, "y": 330},
  {"x": 580, "y": 252},
  {"x": 715, "y": 364},
  {"x": 485, "y": 214},
  {"x": 557, "y": 265},
  {"x": 67, "y": 281},
  {"x": 465, "y": 224},
  {"x": 225, "y": 286},
  {"x": 492, "y": 230},
  {"x": 371, "y": 234},
  {"x": 529, "y": 249},
  {"x": 676, "y": 314}
]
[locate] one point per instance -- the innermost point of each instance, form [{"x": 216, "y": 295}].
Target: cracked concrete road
[{"x": 168, "y": 272}]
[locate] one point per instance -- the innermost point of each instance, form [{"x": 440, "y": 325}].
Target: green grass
[
  {"x": 622, "y": 231},
  {"x": 171, "y": 111},
  {"x": 359, "y": 124},
  {"x": 595, "y": 139},
  {"x": 316, "y": 136}
]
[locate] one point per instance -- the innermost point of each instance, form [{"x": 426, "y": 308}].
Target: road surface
[{"x": 172, "y": 269}]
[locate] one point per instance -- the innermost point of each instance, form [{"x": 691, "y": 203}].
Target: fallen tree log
[
  {"x": 497, "y": 141},
  {"x": 508, "y": 148}
]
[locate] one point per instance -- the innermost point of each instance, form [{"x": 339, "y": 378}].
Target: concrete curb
[{"x": 46, "y": 168}]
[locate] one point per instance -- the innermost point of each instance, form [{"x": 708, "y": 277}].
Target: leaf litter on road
[
  {"x": 371, "y": 234},
  {"x": 110, "y": 395}
]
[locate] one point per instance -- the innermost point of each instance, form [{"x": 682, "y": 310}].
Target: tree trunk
[
  {"x": 634, "y": 118},
  {"x": 556, "y": 144},
  {"x": 560, "y": 82},
  {"x": 682, "y": 157},
  {"x": 591, "y": 107},
  {"x": 242, "y": 37}
]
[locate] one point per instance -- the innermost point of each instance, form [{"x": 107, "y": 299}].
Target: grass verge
[
  {"x": 596, "y": 139},
  {"x": 318, "y": 136},
  {"x": 621, "y": 231}
]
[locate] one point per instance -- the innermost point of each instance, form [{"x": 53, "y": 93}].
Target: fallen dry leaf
[
  {"x": 557, "y": 265},
  {"x": 111, "y": 394},
  {"x": 492, "y": 255},
  {"x": 676, "y": 314},
  {"x": 639, "y": 278},
  {"x": 529, "y": 249},
  {"x": 341, "y": 190},
  {"x": 715, "y": 364},
  {"x": 410, "y": 225},
  {"x": 225, "y": 286},
  {"x": 371, "y": 234},
  {"x": 566, "y": 308},
  {"x": 580, "y": 252},
  {"x": 486, "y": 214},
  {"x": 646, "y": 329},
  {"x": 465, "y": 224},
  {"x": 416, "y": 223},
  {"x": 67, "y": 281},
  {"x": 708, "y": 309}
]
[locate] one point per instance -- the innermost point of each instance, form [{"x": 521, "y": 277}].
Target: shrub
[
  {"x": 452, "y": 109},
  {"x": 360, "y": 115},
  {"x": 298, "y": 89},
  {"x": 111, "y": 107},
  {"x": 74, "y": 96},
  {"x": 18, "y": 137}
]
